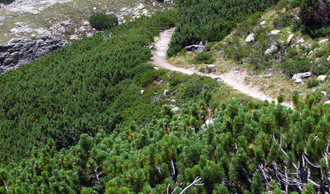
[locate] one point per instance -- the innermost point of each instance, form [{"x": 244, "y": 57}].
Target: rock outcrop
[{"x": 19, "y": 51}]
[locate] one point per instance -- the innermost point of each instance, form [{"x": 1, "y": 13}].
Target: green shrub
[
  {"x": 283, "y": 21},
  {"x": 315, "y": 16},
  {"x": 101, "y": 21},
  {"x": 6, "y": 1},
  {"x": 294, "y": 3},
  {"x": 211, "y": 20},
  {"x": 203, "y": 57},
  {"x": 311, "y": 83}
]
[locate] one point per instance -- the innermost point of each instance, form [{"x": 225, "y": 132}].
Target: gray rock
[
  {"x": 15, "y": 40},
  {"x": 86, "y": 23},
  {"x": 175, "y": 109},
  {"x": 298, "y": 80},
  {"x": 321, "y": 78},
  {"x": 12, "y": 59},
  {"x": 196, "y": 47},
  {"x": 250, "y": 38},
  {"x": 301, "y": 75},
  {"x": 125, "y": 11},
  {"x": 300, "y": 41},
  {"x": 74, "y": 37},
  {"x": 271, "y": 49},
  {"x": 140, "y": 7},
  {"x": 327, "y": 102},
  {"x": 311, "y": 52},
  {"x": 274, "y": 32},
  {"x": 43, "y": 37},
  {"x": 289, "y": 38},
  {"x": 21, "y": 51},
  {"x": 324, "y": 40},
  {"x": 324, "y": 93}
]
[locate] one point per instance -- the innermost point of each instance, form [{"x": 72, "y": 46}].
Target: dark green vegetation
[
  {"x": 315, "y": 16},
  {"x": 290, "y": 57},
  {"x": 101, "y": 21},
  {"x": 203, "y": 57},
  {"x": 93, "y": 118},
  {"x": 6, "y": 1},
  {"x": 89, "y": 85},
  {"x": 248, "y": 149},
  {"x": 210, "y": 20}
]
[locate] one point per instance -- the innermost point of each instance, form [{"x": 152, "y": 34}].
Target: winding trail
[{"x": 232, "y": 78}]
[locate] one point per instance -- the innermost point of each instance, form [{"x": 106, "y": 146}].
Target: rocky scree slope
[{"x": 34, "y": 28}]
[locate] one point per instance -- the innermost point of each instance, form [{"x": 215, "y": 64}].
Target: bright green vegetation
[
  {"x": 101, "y": 21},
  {"x": 210, "y": 20},
  {"x": 245, "y": 148},
  {"x": 89, "y": 85},
  {"x": 290, "y": 57},
  {"x": 203, "y": 57},
  {"x": 96, "y": 117}
]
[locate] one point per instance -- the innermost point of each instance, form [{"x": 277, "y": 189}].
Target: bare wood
[
  {"x": 4, "y": 182},
  {"x": 192, "y": 184}
]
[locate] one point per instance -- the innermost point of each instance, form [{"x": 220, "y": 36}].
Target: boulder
[
  {"x": 24, "y": 50},
  {"x": 300, "y": 41},
  {"x": 140, "y": 7},
  {"x": 271, "y": 49},
  {"x": 86, "y": 23},
  {"x": 196, "y": 47},
  {"x": 274, "y": 32},
  {"x": 311, "y": 52},
  {"x": 321, "y": 78},
  {"x": 327, "y": 102},
  {"x": 175, "y": 109},
  {"x": 324, "y": 40},
  {"x": 289, "y": 38},
  {"x": 74, "y": 37},
  {"x": 15, "y": 40},
  {"x": 249, "y": 39},
  {"x": 125, "y": 11},
  {"x": 301, "y": 75}
]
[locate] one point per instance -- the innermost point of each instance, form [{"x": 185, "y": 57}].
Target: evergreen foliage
[
  {"x": 203, "y": 57},
  {"x": 315, "y": 15},
  {"x": 89, "y": 85},
  {"x": 248, "y": 149},
  {"x": 211, "y": 20},
  {"x": 101, "y": 21},
  {"x": 6, "y": 1}
]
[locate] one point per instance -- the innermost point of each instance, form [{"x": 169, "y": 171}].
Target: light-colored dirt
[{"x": 232, "y": 78}]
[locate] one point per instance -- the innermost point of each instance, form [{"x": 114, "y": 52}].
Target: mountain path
[{"x": 232, "y": 78}]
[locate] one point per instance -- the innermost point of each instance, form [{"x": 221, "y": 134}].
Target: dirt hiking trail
[{"x": 232, "y": 78}]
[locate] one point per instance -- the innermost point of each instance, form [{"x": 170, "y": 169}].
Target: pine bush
[{"x": 102, "y": 21}]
